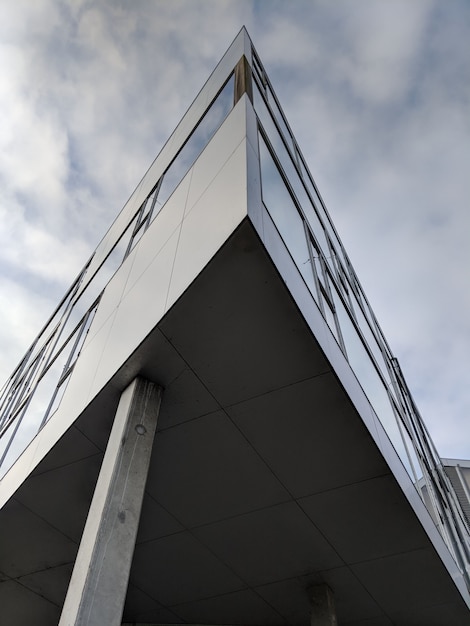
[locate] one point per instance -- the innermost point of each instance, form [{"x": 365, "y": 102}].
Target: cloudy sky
[{"x": 377, "y": 93}]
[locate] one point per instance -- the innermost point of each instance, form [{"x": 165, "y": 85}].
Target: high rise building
[{"x": 212, "y": 428}]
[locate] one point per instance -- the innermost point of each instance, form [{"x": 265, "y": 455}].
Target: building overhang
[{"x": 265, "y": 478}]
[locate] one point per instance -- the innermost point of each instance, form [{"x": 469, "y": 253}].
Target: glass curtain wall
[{"x": 292, "y": 200}]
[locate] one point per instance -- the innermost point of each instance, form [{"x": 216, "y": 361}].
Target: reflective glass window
[
  {"x": 317, "y": 270},
  {"x": 336, "y": 246},
  {"x": 412, "y": 464},
  {"x": 81, "y": 336},
  {"x": 384, "y": 343},
  {"x": 71, "y": 352},
  {"x": 31, "y": 376},
  {"x": 197, "y": 141},
  {"x": 360, "y": 297},
  {"x": 278, "y": 116},
  {"x": 320, "y": 269},
  {"x": 311, "y": 188},
  {"x": 56, "y": 398},
  {"x": 49, "y": 328},
  {"x": 26, "y": 428},
  {"x": 372, "y": 343},
  {"x": 15, "y": 393},
  {"x": 290, "y": 170},
  {"x": 316, "y": 228},
  {"x": 345, "y": 287},
  {"x": 338, "y": 306},
  {"x": 329, "y": 315},
  {"x": 151, "y": 202},
  {"x": 99, "y": 281},
  {"x": 320, "y": 208},
  {"x": 370, "y": 380},
  {"x": 285, "y": 215},
  {"x": 41, "y": 392},
  {"x": 137, "y": 236},
  {"x": 271, "y": 131},
  {"x": 144, "y": 213},
  {"x": 259, "y": 72}
]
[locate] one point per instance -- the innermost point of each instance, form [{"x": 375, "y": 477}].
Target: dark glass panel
[
  {"x": 285, "y": 215},
  {"x": 372, "y": 343},
  {"x": 197, "y": 141},
  {"x": 27, "y": 427},
  {"x": 280, "y": 119},
  {"x": 330, "y": 317},
  {"x": 99, "y": 281},
  {"x": 321, "y": 209},
  {"x": 290, "y": 171}
]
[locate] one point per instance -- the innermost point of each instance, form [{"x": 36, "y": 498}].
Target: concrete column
[
  {"x": 323, "y": 606},
  {"x": 98, "y": 586}
]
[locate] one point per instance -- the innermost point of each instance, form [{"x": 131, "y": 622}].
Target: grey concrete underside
[{"x": 263, "y": 482}]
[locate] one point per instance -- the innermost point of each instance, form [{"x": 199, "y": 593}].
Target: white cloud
[
  {"x": 381, "y": 45},
  {"x": 377, "y": 93}
]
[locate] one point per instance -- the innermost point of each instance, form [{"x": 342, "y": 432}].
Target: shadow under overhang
[{"x": 264, "y": 479}]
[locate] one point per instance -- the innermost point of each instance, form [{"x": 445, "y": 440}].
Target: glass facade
[
  {"x": 290, "y": 197},
  {"x": 292, "y": 201}
]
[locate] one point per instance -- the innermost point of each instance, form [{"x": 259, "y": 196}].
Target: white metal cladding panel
[
  {"x": 196, "y": 181},
  {"x": 163, "y": 263},
  {"x": 202, "y": 232},
  {"x": 180, "y": 241},
  {"x": 178, "y": 244},
  {"x": 160, "y": 231},
  {"x": 210, "y": 222},
  {"x": 137, "y": 314},
  {"x": 217, "y": 152}
]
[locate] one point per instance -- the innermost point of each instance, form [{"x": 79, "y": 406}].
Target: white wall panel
[
  {"x": 162, "y": 228},
  {"x": 138, "y": 312},
  {"x": 217, "y": 152},
  {"x": 210, "y": 222},
  {"x": 111, "y": 296},
  {"x": 195, "y": 222},
  {"x": 78, "y": 391},
  {"x": 184, "y": 255}
]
